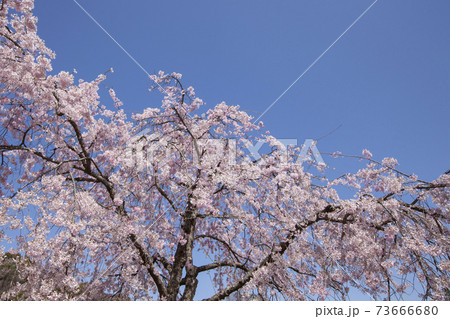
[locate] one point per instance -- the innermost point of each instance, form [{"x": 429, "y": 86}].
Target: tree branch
[
  {"x": 149, "y": 264},
  {"x": 221, "y": 264},
  {"x": 269, "y": 259}
]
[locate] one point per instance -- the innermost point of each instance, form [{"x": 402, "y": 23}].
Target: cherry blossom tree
[{"x": 97, "y": 205}]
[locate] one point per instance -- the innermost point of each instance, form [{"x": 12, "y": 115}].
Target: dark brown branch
[
  {"x": 194, "y": 139},
  {"x": 164, "y": 194},
  {"x": 82, "y": 179},
  {"x": 166, "y": 264},
  {"x": 14, "y": 42},
  {"x": 183, "y": 258},
  {"x": 221, "y": 264},
  {"x": 235, "y": 255},
  {"x": 433, "y": 186},
  {"x": 23, "y": 148},
  {"x": 149, "y": 265},
  {"x": 269, "y": 259}
]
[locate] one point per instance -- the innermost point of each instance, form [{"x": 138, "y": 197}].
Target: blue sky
[{"x": 387, "y": 81}]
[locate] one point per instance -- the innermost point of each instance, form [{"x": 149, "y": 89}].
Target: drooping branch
[
  {"x": 268, "y": 260},
  {"x": 224, "y": 243},
  {"x": 148, "y": 263}
]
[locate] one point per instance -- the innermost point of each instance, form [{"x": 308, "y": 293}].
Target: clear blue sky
[{"x": 387, "y": 81}]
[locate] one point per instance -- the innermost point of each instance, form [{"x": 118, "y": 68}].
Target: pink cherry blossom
[{"x": 95, "y": 205}]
